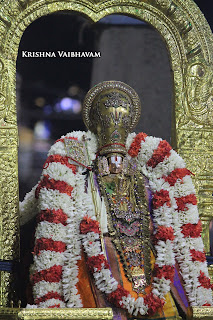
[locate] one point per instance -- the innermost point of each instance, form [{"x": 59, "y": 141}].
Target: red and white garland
[
  {"x": 65, "y": 209},
  {"x": 105, "y": 282}
]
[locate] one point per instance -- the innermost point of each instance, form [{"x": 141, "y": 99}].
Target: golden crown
[{"x": 111, "y": 110}]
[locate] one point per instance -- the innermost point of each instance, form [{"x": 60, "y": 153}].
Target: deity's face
[
  {"x": 115, "y": 163},
  {"x": 111, "y": 114}
]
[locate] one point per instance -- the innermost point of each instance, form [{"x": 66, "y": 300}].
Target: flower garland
[
  {"x": 59, "y": 204},
  {"x": 176, "y": 235},
  {"x": 164, "y": 207},
  {"x": 166, "y": 171},
  {"x": 104, "y": 281}
]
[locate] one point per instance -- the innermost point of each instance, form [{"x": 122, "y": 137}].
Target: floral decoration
[
  {"x": 96, "y": 263},
  {"x": 66, "y": 222},
  {"x": 89, "y": 225},
  {"x": 136, "y": 144},
  {"x": 192, "y": 230},
  {"x": 205, "y": 281}
]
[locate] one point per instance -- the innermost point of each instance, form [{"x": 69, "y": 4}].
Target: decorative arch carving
[{"x": 189, "y": 41}]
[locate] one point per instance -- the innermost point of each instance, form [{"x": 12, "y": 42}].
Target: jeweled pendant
[{"x": 138, "y": 280}]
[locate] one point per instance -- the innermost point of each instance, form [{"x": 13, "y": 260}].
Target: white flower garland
[{"x": 80, "y": 204}]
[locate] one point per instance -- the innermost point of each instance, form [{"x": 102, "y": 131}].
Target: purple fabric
[{"x": 179, "y": 287}]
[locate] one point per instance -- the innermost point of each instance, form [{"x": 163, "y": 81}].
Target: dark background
[
  {"x": 59, "y": 32},
  {"x": 43, "y": 82}
]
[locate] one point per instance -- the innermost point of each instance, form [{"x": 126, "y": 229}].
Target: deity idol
[{"x": 117, "y": 222}]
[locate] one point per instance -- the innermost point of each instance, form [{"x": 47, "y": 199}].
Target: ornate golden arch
[{"x": 189, "y": 42}]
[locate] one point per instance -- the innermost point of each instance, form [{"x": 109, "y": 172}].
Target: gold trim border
[
  {"x": 199, "y": 313},
  {"x": 202, "y": 313},
  {"x": 54, "y": 314}
]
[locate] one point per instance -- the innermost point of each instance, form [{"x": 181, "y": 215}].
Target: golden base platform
[
  {"x": 202, "y": 313},
  {"x": 55, "y": 314},
  {"x": 199, "y": 313}
]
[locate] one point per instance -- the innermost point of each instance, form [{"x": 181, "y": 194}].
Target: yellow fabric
[
  {"x": 84, "y": 287},
  {"x": 169, "y": 310}
]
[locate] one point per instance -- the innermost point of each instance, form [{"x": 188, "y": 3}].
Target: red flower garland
[
  {"x": 153, "y": 302},
  {"x": 55, "y": 306},
  {"x": 160, "y": 198},
  {"x": 97, "y": 262},
  {"x": 49, "y": 295},
  {"x": 205, "y": 281},
  {"x": 61, "y": 159},
  {"x": 48, "y": 244},
  {"x": 176, "y": 174},
  {"x": 53, "y": 184},
  {"x": 136, "y": 144},
  {"x": 183, "y": 201},
  {"x": 89, "y": 225},
  {"x": 53, "y": 274},
  {"x": 115, "y": 297},
  {"x": 62, "y": 139},
  {"x": 55, "y": 216},
  {"x": 198, "y": 255},
  {"x": 166, "y": 272},
  {"x": 192, "y": 230},
  {"x": 164, "y": 233},
  {"x": 162, "y": 152}
]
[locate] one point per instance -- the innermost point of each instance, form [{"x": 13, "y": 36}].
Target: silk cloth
[{"x": 93, "y": 298}]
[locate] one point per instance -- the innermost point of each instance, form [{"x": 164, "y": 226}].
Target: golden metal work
[
  {"x": 111, "y": 109},
  {"x": 210, "y": 269},
  {"x": 202, "y": 313},
  {"x": 54, "y": 314},
  {"x": 189, "y": 41}
]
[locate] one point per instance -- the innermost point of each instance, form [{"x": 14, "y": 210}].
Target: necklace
[{"x": 128, "y": 225}]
